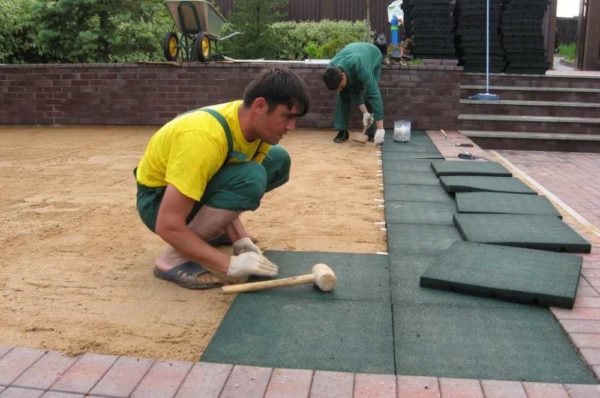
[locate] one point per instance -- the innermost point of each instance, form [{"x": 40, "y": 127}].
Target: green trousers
[
  {"x": 237, "y": 187},
  {"x": 342, "y": 114}
]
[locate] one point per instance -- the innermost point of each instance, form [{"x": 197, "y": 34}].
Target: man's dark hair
[
  {"x": 332, "y": 78},
  {"x": 279, "y": 86}
]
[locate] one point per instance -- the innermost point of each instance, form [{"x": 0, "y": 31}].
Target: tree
[{"x": 254, "y": 18}]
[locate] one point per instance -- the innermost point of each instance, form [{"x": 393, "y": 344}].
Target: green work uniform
[{"x": 361, "y": 62}]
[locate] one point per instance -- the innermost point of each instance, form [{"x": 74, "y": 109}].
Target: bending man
[
  {"x": 202, "y": 169},
  {"x": 355, "y": 72}
]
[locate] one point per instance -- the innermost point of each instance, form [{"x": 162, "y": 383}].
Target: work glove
[
  {"x": 245, "y": 245},
  {"x": 367, "y": 119},
  {"x": 250, "y": 263},
  {"x": 379, "y": 135}
]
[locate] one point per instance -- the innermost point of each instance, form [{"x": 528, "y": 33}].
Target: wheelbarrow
[{"x": 199, "y": 24}]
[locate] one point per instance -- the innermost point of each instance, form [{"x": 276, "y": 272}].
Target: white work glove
[
  {"x": 250, "y": 263},
  {"x": 245, "y": 245},
  {"x": 367, "y": 119},
  {"x": 379, "y": 135}
]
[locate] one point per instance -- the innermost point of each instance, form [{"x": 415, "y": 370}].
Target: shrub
[{"x": 568, "y": 51}]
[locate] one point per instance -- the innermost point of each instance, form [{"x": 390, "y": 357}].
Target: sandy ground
[{"x": 76, "y": 265}]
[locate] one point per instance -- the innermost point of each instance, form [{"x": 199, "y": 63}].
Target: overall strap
[{"x": 226, "y": 128}]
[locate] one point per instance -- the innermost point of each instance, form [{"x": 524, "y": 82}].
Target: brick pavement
[{"x": 27, "y": 372}]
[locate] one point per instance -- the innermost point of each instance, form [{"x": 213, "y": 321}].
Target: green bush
[
  {"x": 17, "y": 36},
  {"x": 567, "y": 50}
]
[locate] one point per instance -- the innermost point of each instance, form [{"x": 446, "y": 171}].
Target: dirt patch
[{"x": 76, "y": 272}]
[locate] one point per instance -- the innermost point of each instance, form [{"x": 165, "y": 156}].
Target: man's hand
[
  {"x": 250, "y": 263},
  {"x": 379, "y": 136},
  {"x": 245, "y": 245},
  {"x": 367, "y": 119}
]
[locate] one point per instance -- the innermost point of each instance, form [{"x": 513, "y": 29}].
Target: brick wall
[
  {"x": 154, "y": 93},
  {"x": 591, "y": 58}
]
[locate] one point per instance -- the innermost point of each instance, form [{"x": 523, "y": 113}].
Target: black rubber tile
[
  {"x": 520, "y": 230},
  {"x": 363, "y": 277},
  {"x": 410, "y": 178},
  {"x": 285, "y": 332},
  {"x": 488, "y": 184},
  {"x": 406, "y": 271},
  {"x": 391, "y": 164},
  {"x": 506, "y": 273},
  {"x": 417, "y": 193},
  {"x": 504, "y": 203},
  {"x": 465, "y": 168},
  {"x": 420, "y": 212},
  {"x": 425, "y": 240},
  {"x": 520, "y": 343}
]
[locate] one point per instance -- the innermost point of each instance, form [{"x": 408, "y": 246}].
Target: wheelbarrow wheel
[
  {"x": 202, "y": 47},
  {"x": 171, "y": 46}
]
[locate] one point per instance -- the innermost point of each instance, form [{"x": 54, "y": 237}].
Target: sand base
[{"x": 76, "y": 272}]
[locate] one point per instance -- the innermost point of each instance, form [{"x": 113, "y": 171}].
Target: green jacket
[{"x": 362, "y": 64}]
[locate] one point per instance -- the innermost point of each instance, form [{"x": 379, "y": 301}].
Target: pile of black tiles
[
  {"x": 470, "y": 17},
  {"x": 430, "y": 26},
  {"x": 522, "y": 36}
]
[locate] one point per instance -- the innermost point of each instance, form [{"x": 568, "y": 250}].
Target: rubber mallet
[{"x": 322, "y": 276}]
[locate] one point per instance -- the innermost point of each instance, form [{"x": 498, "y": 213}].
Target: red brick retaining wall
[{"x": 126, "y": 94}]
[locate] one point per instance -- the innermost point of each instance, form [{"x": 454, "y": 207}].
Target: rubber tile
[
  {"x": 520, "y": 343},
  {"x": 417, "y": 193},
  {"x": 410, "y": 148},
  {"x": 388, "y": 155},
  {"x": 506, "y": 273},
  {"x": 415, "y": 239},
  {"x": 410, "y": 178},
  {"x": 465, "y": 168},
  {"x": 406, "y": 165},
  {"x": 363, "y": 277},
  {"x": 420, "y": 212},
  {"x": 504, "y": 203},
  {"x": 285, "y": 332},
  {"x": 491, "y": 184},
  {"x": 519, "y": 230},
  {"x": 406, "y": 271},
  {"x": 417, "y": 137}
]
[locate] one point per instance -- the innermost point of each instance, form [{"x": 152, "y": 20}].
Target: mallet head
[{"x": 325, "y": 279}]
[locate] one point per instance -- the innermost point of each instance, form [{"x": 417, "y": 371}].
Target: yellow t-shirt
[{"x": 189, "y": 150}]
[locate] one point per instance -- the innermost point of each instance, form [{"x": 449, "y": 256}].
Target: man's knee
[{"x": 277, "y": 166}]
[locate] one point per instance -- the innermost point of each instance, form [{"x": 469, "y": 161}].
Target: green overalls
[{"x": 236, "y": 186}]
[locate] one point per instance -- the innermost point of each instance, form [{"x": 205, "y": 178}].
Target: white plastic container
[{"x": 402, "y": 130}]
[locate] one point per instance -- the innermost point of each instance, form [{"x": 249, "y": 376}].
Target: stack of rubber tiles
[
  {"x": 430, "y": 26},
  {"x": 522, "y": 36},
  {"x": 470, "y": 17}
]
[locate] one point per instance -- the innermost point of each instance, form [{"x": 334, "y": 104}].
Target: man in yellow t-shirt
[{"x": 201, "y": 170}]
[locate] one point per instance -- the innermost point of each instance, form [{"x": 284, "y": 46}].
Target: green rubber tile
[
  {"x": 285, "y": 332},
  {"x": 415, "y": 239},
  {"x": 466, "y": 168},
  {"x": 416, "y": 193},
  {"x": 489, "y": 184},
  {"x": 506, "y": 273},
  {"x": 504, "y": 203},
  {"x": 406, "y": 271},
  {"x": 521, "y": 343},
  {"x": 406, "y": 165},
  {"x": 410, "y": 178},
  {"x": 520, "y": 230},
  {"x": 416, "y": 137},
  {"x": 410, "y": 148},
  {"x": 391, "y": 155},
  {"x": 420, "y": 212},
  {"x": 363, "y": 277}
]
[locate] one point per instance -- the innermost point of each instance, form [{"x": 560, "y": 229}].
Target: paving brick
[
  {"x": 376, "y": 386},
  {"x": 577, "y": 313},
  {"x": 84, "y": 374},
  {"x": 17, "y": 392},
  {"x": 4, "y": 350},
  {"x": 57, "y": 394},
  {"x": 162, "y": 380},
  {"x": 575, "y": 326},
  {"x": 122, "y": 377},
  {"x": 583, "y": 390},
  {"x": 418, "y": 387},
  {"x": 332, "y": 385},
  {"x": 542, "y": 390},
  {"x": 586, "y": 340},
  {"x": 591, "y": 355},
  {"x": 460, "y": 388},
  {"x": 289, "y": 383},
  {"x": 45, "y": 371},
  {"x": 503, "y": 389},
  {"x": 205, "y": 380},
  {"x": 585, "y": 292},
  {"x": 247, "y": 382},
  {"x": 16, "y": 362}
]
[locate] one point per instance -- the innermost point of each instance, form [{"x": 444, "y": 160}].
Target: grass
[{"x": 567, "y": 50}]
